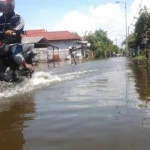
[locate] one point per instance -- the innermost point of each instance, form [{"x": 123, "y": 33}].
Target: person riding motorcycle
[{"x": 13, "y": 30}]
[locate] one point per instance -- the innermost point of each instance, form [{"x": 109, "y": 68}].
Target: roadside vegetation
[
  {"x": 141, "y": 35},
  {"x": 102, "y": 46}
]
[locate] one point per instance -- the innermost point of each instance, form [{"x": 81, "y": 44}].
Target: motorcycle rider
[{"x": 13, "y": 30}]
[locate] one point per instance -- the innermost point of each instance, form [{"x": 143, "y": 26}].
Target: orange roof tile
[
  {"x": 35, "y": 31},
  {"x": 52, "y": 36}
]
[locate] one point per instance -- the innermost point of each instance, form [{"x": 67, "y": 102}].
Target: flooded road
[{"x": 96, "y": 105}]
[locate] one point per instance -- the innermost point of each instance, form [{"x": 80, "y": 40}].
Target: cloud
[
  {"x": 104, "y": 16},
  {"x": 134, "y": 9},
  {"x": 110, "y": 17}
]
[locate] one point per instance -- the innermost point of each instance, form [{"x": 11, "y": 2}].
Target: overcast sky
[{"x": 81, "y": 16}]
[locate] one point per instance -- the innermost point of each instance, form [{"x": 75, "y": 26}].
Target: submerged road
[{"x": 95, "y": 105}]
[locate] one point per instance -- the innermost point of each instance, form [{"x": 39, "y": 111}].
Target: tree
[
  {"x": 100, "y": 43},
  {"x": 142, "y": 24},
  {"x": 75, "y": 33}
]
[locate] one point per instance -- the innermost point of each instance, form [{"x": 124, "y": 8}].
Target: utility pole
[{"x": 125, "y": 23}]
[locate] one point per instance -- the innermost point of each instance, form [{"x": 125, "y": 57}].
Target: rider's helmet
[{"x": 7, "y": 6}]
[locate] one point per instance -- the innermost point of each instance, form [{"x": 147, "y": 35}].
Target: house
[
  {"x": 40, "y": 48},
  {"x": 60, "y": 39}
]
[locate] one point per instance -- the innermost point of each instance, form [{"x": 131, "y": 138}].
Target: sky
[{"x": 81, "y": 16}]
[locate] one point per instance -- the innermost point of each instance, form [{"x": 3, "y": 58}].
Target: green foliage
[
  {"x": 75, "y": 33},
  {"x": 100, "y": 43},
  {"x": 132, "y": 37},
  {"x": 143, "y": 22},
  {"x": 140, "y": 57}
]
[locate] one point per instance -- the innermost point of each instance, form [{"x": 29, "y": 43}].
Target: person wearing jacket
[{"x": 13, "y": 25}]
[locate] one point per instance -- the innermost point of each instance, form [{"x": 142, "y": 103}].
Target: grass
[{"x": 140, "y": 57}]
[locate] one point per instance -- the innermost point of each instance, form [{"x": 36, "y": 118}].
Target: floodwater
[{"x": 95, "y": 105}]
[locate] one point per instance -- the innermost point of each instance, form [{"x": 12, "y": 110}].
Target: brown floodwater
[{"x": 95, "y": 105}]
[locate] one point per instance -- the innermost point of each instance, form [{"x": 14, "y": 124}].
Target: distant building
[{"x": 61, "y": 39}]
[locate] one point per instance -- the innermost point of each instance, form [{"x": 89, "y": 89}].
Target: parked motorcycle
[{"x": 10, "y": 71}]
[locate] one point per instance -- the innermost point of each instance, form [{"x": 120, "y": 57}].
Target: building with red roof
[
  {"x": 53, "y": 35},
  {"x": 61, "y": 39}
]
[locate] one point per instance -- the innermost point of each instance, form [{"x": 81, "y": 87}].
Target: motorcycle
[{"x": 10, "y": 71}]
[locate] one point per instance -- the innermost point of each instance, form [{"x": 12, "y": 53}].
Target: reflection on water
[
  {"x": 141, "y": 71},
  {"x": 13, "y": 114},
  {"x": 98, "y": 105}
]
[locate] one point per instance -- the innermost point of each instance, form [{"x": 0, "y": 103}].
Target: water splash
[
  {"x": 39, "y": 80},
  {"x": 43, "y": 78},
  {"x": 72, "y": 75}
]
